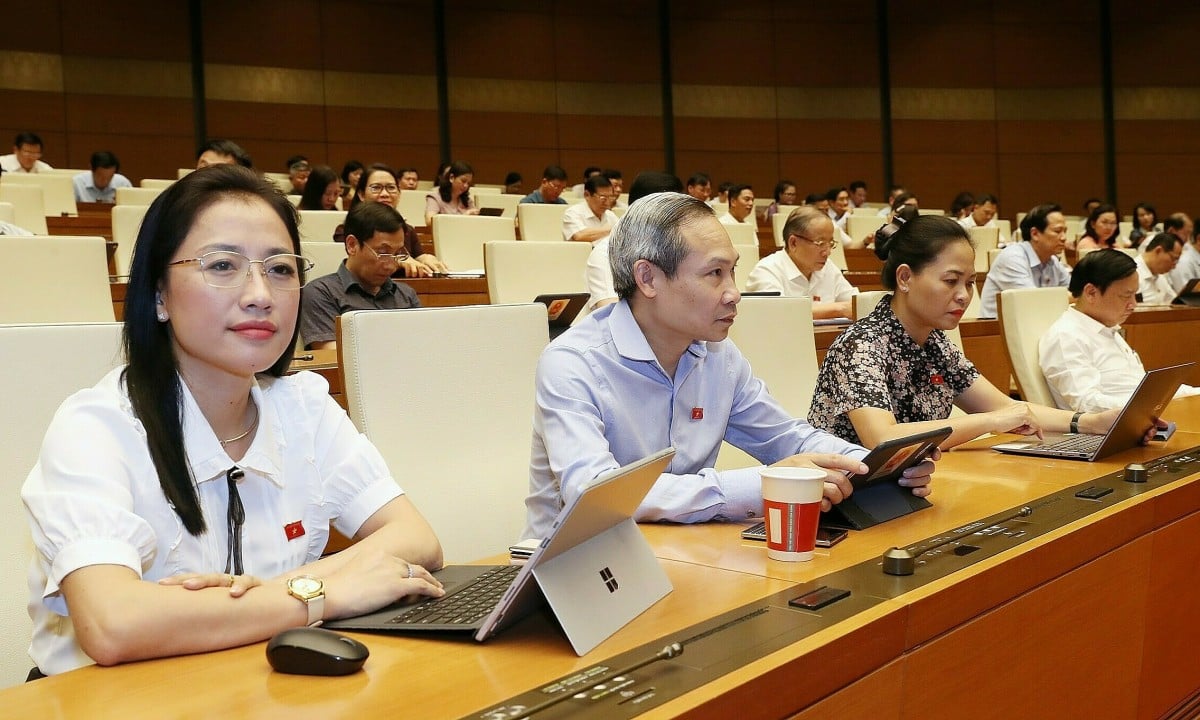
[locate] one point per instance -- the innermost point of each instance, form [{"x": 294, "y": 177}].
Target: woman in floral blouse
[{"x": 895, "y": 373}]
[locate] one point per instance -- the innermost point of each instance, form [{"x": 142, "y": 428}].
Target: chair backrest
[
  {"x": 476, "y": 366},
  {"x": 486, "y": 189},
  {"x": 126, "y": 222},
  {"x": 742, "y": 234},
  {"x": 326, "y": 257},
  {"x": 7, "y": 213},
  {"x": 745, "y": 241},
  {"x": 318, "y": 225},
  {"x": 459, "y": 239},
  {"x": 541, "y": 222},
  {"x": 1006, "y": 229},
  {"x": 863, "y": 225},
  {"x": 79, "y": 355},
  {"x": 137, "y": 196},
  {"x": 76, "y": 266},
  {"x": 517, "y": 272},
  {"x": 411, "y": 207},
  {"x": 863, "y": 303},
  {"x": 931, "y": 211},
  {"x": 28, "y": 205},
  {"x": 778, "y": 220},
  {"x": 1025, "y": 315},
  {"x": 156, "y": 183},
  {"x": 506, "y": 202},
  {"x": 282, "y": 181},
  {"x": 58, "y": 191},
  {"x": 984, "y": 239},
  {"x": 776, "y": 336}
]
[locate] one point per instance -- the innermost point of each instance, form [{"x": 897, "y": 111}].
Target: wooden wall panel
[{"x": 1067, "y": 179}]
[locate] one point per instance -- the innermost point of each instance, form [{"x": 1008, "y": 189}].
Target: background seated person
[
  {"x": 785, "y": 194},
  {"x": 1145, "y": 224},
  {"x": 592, "y": 219},
  {"x": 408, "y": 179},
  {"x": 1154, "y": 267},
  {"x": 1188, "y": 267},
  {"x": 380, "y": 183},
  {"x": 1100, "y": 230},
  {"x": 1087, "y": 363},
  {"x": 222, "y": 152},
  {"x": 699, "y": 186},
  {"x": 554, "y": 182},
  {"x": 904, "y": 199},
  {"x": 802, "y": 267},
  {"x": 26, "y": 156},
  {"x": 453, "y": 195},
  {"x": 983, "y": 214},
  {"x": 741, "y": 206},
  {"x": 513, "y": 182},
  {"x": 374, "y": 248},
  {"x": 351, "y": 172},
  {"x": 298, "y": 171},
  {"x": 655, "y": 369},
  {"x": 321, "y": 189},
  {"x": 895, "y": 373},
  {"x": 128, "y": 501},
  {"x": 1032, "y": 263},
  {"x": 100, "y": 185}
]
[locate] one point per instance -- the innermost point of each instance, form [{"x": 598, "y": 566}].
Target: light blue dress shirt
[
  {"x": 1018, "y": 266},
  {"x": 86, "y": 190},
  {"x": 603, "y": 400}
]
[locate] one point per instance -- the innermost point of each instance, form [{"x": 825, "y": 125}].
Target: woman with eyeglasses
[
  {"x": 895, "y": 373},
  {"x": 182, "y": 504},
  {"x": 381, "y": 183},
  {"x": 452, "y": 196}
]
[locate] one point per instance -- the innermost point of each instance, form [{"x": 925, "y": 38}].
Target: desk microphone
[
  {"x": 902, "y": 561},
  {"x": 673, "y": 650}
]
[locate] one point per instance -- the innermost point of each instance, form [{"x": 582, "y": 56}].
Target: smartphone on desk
[{"x": 826, "y": 537}]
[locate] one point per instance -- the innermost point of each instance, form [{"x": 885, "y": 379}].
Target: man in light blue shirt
[
  {"x": 1029, "y": 264},
  {"x": 100, "y": 185},
  {"x": 656, "y": 370}
]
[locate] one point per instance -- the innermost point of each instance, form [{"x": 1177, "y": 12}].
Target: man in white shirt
[
  {"x": 591, "y": 220},
  {"x": 802, "y": 267},
  {"x": 1180, "y": 225},
  {"x": 699, "y": 186},
  {"x": 1087, "y": 363},
  {"x": 741, "y": 206},
  {"x": 839, "y": 206},
  {"x": 858, "y": 194},
  {"x": 100, "y": 185},
  {"x": 1033, "y": 263},
  {"x": 1154, "y": 265},
  {"x": 26, "y": 156},
  {"x": 984, "y": 214}
]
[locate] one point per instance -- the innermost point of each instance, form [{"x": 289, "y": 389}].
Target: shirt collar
[
  {"x": 631, "y": 342},
  {"x": 209, "y": 460},
  {"x": 793, "y": 270},
  {"x": 1089, "y": 324}
]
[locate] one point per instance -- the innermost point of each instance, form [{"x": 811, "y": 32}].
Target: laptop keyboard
[
  {"x": 1075, "y": 443},
  {"x": 465, "y": 607}
]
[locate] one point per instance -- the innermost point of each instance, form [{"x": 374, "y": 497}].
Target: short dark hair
[
  {"x": 900, "y": 200},
  {"x": 554, "y": 172},
  {"x": 698, "y": 179},
  {"x": 368, "y": 218},
  {"x": 611, "y": 174},
  {"x": 409, "y": 169},
  {"x": 961, "y": 201},
  {"x": 735, "y": 190},
  {"x": 1163, "y": 240},
  {"x": 594, "y": 183},
  {"x": 781, "y": 187},
  {"x": 363, "y": 178},
  {"x": 832, "y": 193},
  {"x": 813, "y": 198},
  {"x": 1037, "y": 219},
  {"x": 724, "y": 187},
  {"x": 1091, "y": 200},
  {"x": 590, "y": 170},
  {"x": 856, "y": 184},
  {"x": 105, "y": 159},
  {"x": 914, "y": 240},
  {"x": 512, "y": 177},
  {"x": 983, "y": 198},
  {"x": 1100, "y": 268},
  {"x": 226, "y": 147},
  {"x": 27, "y": 138},
  {"x": 653, "y": 181},
  {"x": 1175, "y": 221},
  {"x": 296, "y": 160}
]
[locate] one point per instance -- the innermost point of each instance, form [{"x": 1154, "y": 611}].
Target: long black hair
[
  {"x": 458, "y": 167},
  {"x": 314, "y": 189},
  {"x": 152, "y": 375},
  {"x": 914, "y": 240}
]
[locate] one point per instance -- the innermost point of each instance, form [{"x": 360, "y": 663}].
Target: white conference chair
[
  {"x": 776, "y": 336},
  {"x": 318, "y": 225},
  {"x": 156, "y": 183},
  {"x": 1025, "y": 314},
  {"x": 476, "y": 366},
  {"x": 777, "y": 223},
  {"x": 283, "y": 181},
  {"x": 28, "y": 205},
  {"x": 77, "y": 356},
  {"x": 137, "y": 196},
  {"x": 58, "y": 191},
  {"x": 541, "y": 222},
  {"x": 411, "y": 207},
  {"x": 517, "y": 272},
  {"x": 984, "y": 239},
  {"x": 126, "y": 222},
  {"x": 326, "y": 257},
  {"x": 863, "y": 303},
  {"x": 459, "y": 239},
  {"x": 43, "y": 262},
  {"x": 862, "y": 226},
  {"x": 183, "y": 172},
  {"x": 745, "y": 241},
  {"x": 7, "y": 213},
  {"x": 507, "y": 203}
]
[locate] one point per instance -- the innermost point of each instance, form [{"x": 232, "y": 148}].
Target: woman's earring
[{"x": 162, "y": 317}]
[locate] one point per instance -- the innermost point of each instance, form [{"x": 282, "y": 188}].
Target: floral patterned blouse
[{"x": 876, "y": 363}]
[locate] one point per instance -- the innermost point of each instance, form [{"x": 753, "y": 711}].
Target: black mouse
[{"x": 314, "y": 651}]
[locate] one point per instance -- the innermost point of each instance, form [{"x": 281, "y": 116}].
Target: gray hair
[
  {"x": 650, "y": 231},
  {"x": 801, "y": 219}
]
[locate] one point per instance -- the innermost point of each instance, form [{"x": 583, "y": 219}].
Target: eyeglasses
[
  {"x": 387, "y": 257},
  {"x": 820, "y": 245},
  {"x": 223, "y": 269},
  {"x": 378, "y": 188},
  {"x": 606, "y": 198}
]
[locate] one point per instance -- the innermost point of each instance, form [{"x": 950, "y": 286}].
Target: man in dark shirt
[{"x": 374, "y": 248}]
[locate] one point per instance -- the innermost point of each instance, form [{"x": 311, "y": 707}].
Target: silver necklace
[{"x": 250, "y": 429}]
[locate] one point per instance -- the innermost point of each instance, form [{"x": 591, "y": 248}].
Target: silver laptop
[
  {"x": 1152, "y": 394},
  {"x": 596, "y": 571}
]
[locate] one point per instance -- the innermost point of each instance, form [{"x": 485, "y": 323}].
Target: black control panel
[{"x": 628, "y": 684}]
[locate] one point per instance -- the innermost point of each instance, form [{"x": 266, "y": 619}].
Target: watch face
[{"x": 305, "y": 585}]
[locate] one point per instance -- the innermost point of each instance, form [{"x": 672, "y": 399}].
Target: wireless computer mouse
[{"x": 313, "y": 651}]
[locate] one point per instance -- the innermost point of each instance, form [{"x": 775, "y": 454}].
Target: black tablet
[{"x": 877, "y": 496}]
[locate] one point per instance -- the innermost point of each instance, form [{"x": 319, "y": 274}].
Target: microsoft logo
[{"x": 610, "y": 582}]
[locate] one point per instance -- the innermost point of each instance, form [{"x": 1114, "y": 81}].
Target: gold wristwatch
[{"x": 311, "y": 592}]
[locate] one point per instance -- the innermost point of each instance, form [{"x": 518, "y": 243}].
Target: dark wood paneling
[
  {"x": 122, "y": 114},
  {"x": 936, "y": 178},
  {"x": 726, "y": 135},
  {"x": 817, "y": 172},
  {"x": 137, "y": 29},
  {"x": 379, "y": 127},
  {"x": 486, "y": 42},
  {"x": 141, "y": 156},
  {"x": 263, "y": 34},
  {"x": 831, "y": 136},
  {"x": 944, "y": 136},
  {"x": 248, "y": 121},
  {"x": 424, "y": 157},
  {"x": 628, "y": 51},
  {"x": 1029, "y": 179},
  {"x": 955, "y": 50},
  {"x": 1037, "y": 53},
  {"x": 1050, "y": 137},
  {"x": 707, "y": 50},
  {"x": 503, "y": 130},
  {"x": 629, "y": 162},
  {"x": 610, "y": 133},
  {"x": 1155, "y": 178},
  {"x": 400, "y": 32},
  {"x": 759, "y": 169},
  {"x": 823, "y": 52}
]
